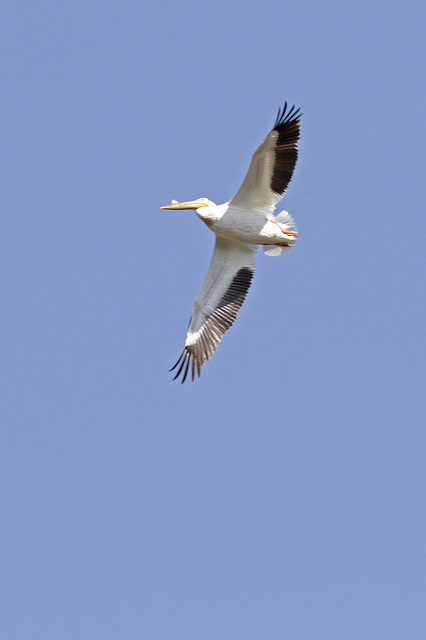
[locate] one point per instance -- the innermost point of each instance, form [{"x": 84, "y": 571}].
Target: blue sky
[{"x": 282, "y": 494}]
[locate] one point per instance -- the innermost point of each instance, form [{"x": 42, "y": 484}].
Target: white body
[{"x": 251, "y": 227}]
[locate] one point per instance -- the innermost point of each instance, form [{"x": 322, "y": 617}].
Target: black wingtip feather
[
  {"x": 188, "y": 360},
  {"x": 175, "y": 365},
  {"x": 281, "y": 112},
  {"x": 181, "y": 361}
]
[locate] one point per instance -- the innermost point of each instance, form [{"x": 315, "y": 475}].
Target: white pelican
[{"x": 240, "y": 224}]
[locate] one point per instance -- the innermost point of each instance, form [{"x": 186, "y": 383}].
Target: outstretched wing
[
  {"x": 272, "y": 164},
  {"x": 216, "y": 307}
]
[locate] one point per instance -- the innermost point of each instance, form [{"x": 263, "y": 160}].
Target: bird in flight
[{"x": 242, "y": 223}]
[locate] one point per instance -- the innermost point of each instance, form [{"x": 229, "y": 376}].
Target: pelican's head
[{"x": 205, "y": 208}]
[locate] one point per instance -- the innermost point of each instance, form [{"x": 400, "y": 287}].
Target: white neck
[{"x": 212, "y": 213}]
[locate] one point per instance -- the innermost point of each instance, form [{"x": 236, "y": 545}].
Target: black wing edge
[
  {"x": 217, "y": 324},
  {"x": 287, "y": 125}
]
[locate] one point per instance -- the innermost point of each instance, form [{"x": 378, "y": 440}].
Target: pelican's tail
[
  {"x": 274, "y": 249},
  {"x": 285, "y": 220}
]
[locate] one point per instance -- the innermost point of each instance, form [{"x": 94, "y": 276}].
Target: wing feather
[
  {"x": 272, "y": 164},
  {"x": 216, "y": 307}
]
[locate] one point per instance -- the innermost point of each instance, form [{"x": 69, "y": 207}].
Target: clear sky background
[{"x": 282, "y": 495}]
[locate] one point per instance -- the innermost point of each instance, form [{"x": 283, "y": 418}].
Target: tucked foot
[{"x": 286, "y": 231}]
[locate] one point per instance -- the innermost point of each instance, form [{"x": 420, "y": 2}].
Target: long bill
[{"x": 191, "y": 204}]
